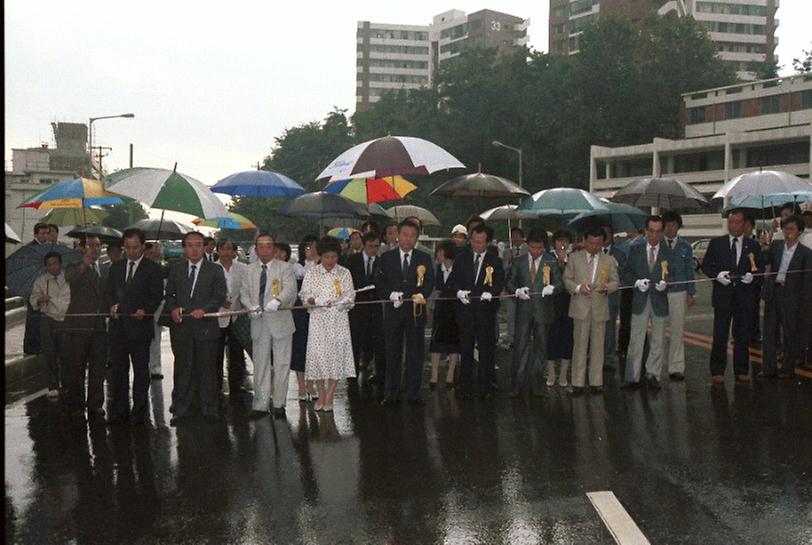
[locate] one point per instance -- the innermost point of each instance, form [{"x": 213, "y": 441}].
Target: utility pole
[
  {"x": 131, "y": 155},
  {"x": 100, "y": 155}
]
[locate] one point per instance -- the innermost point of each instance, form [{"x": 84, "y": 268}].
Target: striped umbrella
[
  {"x": 342, "y": 232},
  {"x": 368, "y": 190},
  {"x": 75, "y": 193},
  {"x": 232, "y": 221}
]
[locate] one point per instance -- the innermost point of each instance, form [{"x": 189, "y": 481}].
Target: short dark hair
[
  {"x": 53, "y": 226},
  {"x": 519, "y": 229},
  {"x": 49, "y": 255},
  {"x": 208, "y": 240},
  {"x": 388, "y": 225},
  {"x": 596, "y": 232},
  {"x": 806, "y": 213},
  {"x": 473, "y": 219},
  {"x": 794, "y": 219},
  {"x": 265, "y": 234},
  {"x": 611, "y": 229},
  {"x": 370, "y": 236},
  {"x": 670, "y": 216},
  {"x": 147, "y": 246},
  {"x": 328, "y": 244},
  {"x": 791, "y": 205},
  {"x": 285, "y": 247},
  {"x": 114, "y": 244},
  {"x": 740, "y": 211},
  {"x": 306, "y": 241},
  {"x": 373, "y": 226},
  {"x": 136, "y": 232},
  {"x": 654, "y": 218},
  {"x": 537, "y": 235},
  {"x": 39, "y": 227},
  {"x": 408, "y": 223},
  {"x": 87, "y": 236},
  {"x": 191, "y": 234},
  {"x": 482, "y": 228},
  {"x": 562, "y": 234},
  {"x": 223, "y": 241},
  {"x": 417, "y": 221},
  {"x": 359, "y": 233},
  {"x": 447, "y": 247}
]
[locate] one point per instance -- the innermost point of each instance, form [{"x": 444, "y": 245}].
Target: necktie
[
  {"x": 670, "y": 243},
  {"x": 192, "y": 278},
  {"x": 591, "y": 259},
  {"x": 733, "y": 249},
  {"x": 606, "y": 251},
  {"x": 93, "y": 268},
  {"x": 476, "y": 267},
  {"x": 651, "y": 258},
  {"x": 533, "y": 271},
  {"x": 263, "y": 280},
  {"x": 130, "y": 273},
  {"x": 369, "y": 268},
  {"x": 405, "y": 264}
]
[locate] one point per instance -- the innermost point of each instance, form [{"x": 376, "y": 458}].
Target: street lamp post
[
  {"x": 499, "y": 144},
  {"x": 90, "y": 135}
]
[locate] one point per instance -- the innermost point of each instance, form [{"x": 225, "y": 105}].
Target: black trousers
[
  {"x": 51, "y": 339},
  {"x": 195, "y": 375},
  {"x": 236, "y": 358},
  {"x": 85, "y": 352},
  {"x": 740, "y": 315},
  {"x": 400, "y": 328},
  {"x": 781, "y": 314},
  {"x": 366, "y": 330},
  {"x": 476, "y": 328},
  {"x": 625, "y": 330},
  {"x": 124, "y": 352},
  {"x": 31, "y": 340}
]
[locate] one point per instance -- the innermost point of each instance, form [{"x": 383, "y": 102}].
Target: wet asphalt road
[{"x": 691, "y": 464}]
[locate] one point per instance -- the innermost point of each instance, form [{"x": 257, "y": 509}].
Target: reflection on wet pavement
[{"x": 691, "y": 464}]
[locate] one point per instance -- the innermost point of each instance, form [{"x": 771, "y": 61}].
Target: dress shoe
[
  {"x": 53, "y": 395},
  {"x": 630, "y": 386},
  {"x": 578, "y": 390},
  {"x": 279, "y": 412},
  {"x": 742, "y": 379},
  {"x": 432, "y": 386},
  {"x": 256, "y": 415},
  {"x": 449, "y": 385},
  {"x": 718, "y": 379},
  {"x": 418, "y": 402},
  {"x": 653, "y": 383},
  {"x": 767, "y": 374},
  {"x": 676, "y": 376},
  {"x": 327, "y": 408},
  {"x": 389, "y": 403},
  {"x": 596, "y": 389},
  {"x": 156, "y": 376}
]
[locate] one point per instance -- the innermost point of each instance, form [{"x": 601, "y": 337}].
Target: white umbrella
[
  {"x": 11, "y": 236},
  {"x": 500, "y": 213},
  {"x": 765, "y": 188},
  {"x": 390, "y": 156}
]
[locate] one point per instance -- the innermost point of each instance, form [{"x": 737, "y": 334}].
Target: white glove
[
  {"x": 642, "y": 284},
  {"x": 273, "y": 305},
  {"x": 747, "y": 278},
  {"x": 344, "y": 304},
  {"x": 462, "y": 295},
  {"x": 661, "y": 285},
  {"x": 522, "y": 293},
  {"x": 723, "y": 278},
  {"x": 320, "y": 302},
  {"x": 486, "y": 296},
  {"x": 397, "y": 298},
  {"x": 255, "y": 312},
  {"x": 549, "y": 289}
]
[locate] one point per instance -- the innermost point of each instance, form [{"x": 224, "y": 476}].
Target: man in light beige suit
[
  {"x": 590, "y": 277},
  {"x": 267, "y": 286}
]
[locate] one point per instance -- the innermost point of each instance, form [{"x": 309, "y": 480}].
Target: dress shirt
[
  {"x": 367, "y": 258},
  {"x": 739, "y": 246},
  {"x": 446, "y": 272},
  {"x": 197, "y": 272},
  {"x": 228, "y": 274},
  {"x": 786, "y": 258},
  {"x": 127, "y": 267},
  {"x": 481, "y": 260}
]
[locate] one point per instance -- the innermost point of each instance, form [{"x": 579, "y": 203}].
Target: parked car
[{"x": 700, "y": 247}]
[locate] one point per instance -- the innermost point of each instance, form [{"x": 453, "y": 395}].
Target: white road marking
[
  {"x": 622, "y": 527},
  {"x": 29, "y": 397}
]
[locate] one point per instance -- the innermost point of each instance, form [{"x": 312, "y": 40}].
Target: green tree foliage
[
  {"x": 122, "y": 215},
  {"x": 803, "y": 64}
]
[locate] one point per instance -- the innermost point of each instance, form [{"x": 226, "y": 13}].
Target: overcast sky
[{"x": 211, "y": 86}]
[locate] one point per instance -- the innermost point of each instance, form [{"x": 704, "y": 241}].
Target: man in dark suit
[
  {"x": 646, "y": 269},
  {"x": 732, "y": 260},
  {"x": 195, "y": 287},
  {"x": 85, "y": 337},
  {"x": 610, "y": 340},
  {"x": 366, "y": 320},
  {"x": 477, "y": 274},
  {"x": 787, "y": 295},
  {"x": 406, "y": 279},
  {"x": 31, "y": 342},
  {"x": 133, "y": 293}
]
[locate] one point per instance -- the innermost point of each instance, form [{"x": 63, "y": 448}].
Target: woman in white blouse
[{"x": 328, "y": 289}]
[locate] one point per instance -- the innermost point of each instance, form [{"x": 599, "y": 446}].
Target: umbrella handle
[{"x": 161, "y": 223}]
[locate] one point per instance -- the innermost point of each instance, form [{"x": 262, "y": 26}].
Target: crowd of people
[{"x": 360, "y": 308}]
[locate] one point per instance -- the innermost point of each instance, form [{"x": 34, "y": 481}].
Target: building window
[
  {"x": 771, "y": 104},
  {"x": 696, "y": 115},
  {"x": 733, "y": 110},
  {"x": 806, "y": 99},
  {"x": 580, "y": 6}
]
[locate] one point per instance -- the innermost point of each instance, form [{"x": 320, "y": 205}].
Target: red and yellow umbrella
[{"x": 369, "y": 190}]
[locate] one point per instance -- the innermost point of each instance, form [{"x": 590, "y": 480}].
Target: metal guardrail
[{"x": 14, "y": 302}]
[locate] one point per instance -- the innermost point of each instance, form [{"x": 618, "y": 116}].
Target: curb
[
  {"x": 15, "y": 317},
  {"x": 22, "y": 368}
]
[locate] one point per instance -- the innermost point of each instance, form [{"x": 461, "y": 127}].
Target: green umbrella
[{"x": 75, "y": 216}]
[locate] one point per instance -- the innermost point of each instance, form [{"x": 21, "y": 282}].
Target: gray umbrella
[
  {"x": 321, "y": 205},
  {"x": 664, "y": 193},
  {"x": 479, "y": 184},
  {"x": 105, "y": 234},
  {"x": 404, "y": 211},
  {"x": 162, "y": 229},
  {"x": 26, "y": 264}
]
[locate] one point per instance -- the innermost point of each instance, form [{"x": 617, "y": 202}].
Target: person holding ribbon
[
  {"x": 733, "y": 261},
  {"x": 533, "y": 278},
  {"x": 647, "y": 269},
  {"x": 406, "y": 279},
  {"x": 477, "y": 278},
  {"x": 328, "y": 290},
  {"x": 268, "y": 289}
]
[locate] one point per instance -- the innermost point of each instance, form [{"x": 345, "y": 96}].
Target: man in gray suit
[
  {"x": 647, "y": 270},
  {"x": 787, "y": 295},
  {"x": 268, "y": 285},
  {"x": 195, "y": 287},
  {"x": 533, "y": 272}
]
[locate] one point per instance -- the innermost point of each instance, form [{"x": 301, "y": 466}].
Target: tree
[
  {"x": 803, "y": 65},
  {"x": 123, "y": 215}
]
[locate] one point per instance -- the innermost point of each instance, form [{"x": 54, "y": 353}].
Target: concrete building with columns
[{"x": 726, "y": 132}]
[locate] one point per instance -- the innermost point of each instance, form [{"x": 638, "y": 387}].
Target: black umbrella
[
  {"x": 321, "y": 205},
  {"x": 26, "y": 264},
  {"x": 105, "y": 234},
  {"x": 376, "y": 211},
  {"x": 162, "y": 229},
  {"x": 664, "y": 193},
  {"x": 479, "y": 184}
]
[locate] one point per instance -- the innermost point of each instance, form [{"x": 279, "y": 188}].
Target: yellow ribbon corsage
[
  {"x": 489, "y": 276},
  {"x": 275, "y": 287},
  {"x": 421, "y": 272}
]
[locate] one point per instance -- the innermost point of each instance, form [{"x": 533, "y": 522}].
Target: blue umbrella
[
  {"x": 560, "y": 202},
  {"x": 258, "y": 183},
  {"x": 26, "y": 264},
  {"x": 622, "y": 218}
]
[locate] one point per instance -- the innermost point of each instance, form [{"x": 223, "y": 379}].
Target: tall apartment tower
[
  {"x": 390, "y": 56},
  {"x": 743, "y": 30}
]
